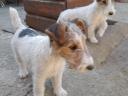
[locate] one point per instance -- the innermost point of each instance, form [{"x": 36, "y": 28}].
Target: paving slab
[
  {"x": 111, "y": 39},
  {"x": 111, "y": 79}
]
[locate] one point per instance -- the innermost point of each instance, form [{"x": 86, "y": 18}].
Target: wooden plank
[
  {"x": 50, "y": 9},
  {"x": 77, "y": 3},
  {"x": 38, "y": 23}
]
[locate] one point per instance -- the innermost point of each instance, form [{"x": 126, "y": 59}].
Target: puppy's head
[
  {"x": 71, "y": 44},
  {"x": 107, "y": 6}
]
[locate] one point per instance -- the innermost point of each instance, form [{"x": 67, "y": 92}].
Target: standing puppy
[
  {"x": 46, "y": 56},
  {"x": 95, "y": 15}
]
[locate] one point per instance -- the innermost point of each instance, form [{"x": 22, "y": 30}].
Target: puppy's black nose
[
  {"x": 90, "y": 67},
  {"x": 110, "y": 13}
]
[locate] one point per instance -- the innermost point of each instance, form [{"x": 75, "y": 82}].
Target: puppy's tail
[{"x": 15, "y": 19}]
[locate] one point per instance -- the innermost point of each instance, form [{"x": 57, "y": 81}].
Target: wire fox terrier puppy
[
  {"x": 95, "y": 15},
  {"x": 46, "y": 56}
]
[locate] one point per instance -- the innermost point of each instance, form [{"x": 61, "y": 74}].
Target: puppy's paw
[
  {"x": 61, "y": 92},
  {"x": 23, "y": 74},
  {"x": 101, "y": 34},
  {"x": 93, "y": 40}
]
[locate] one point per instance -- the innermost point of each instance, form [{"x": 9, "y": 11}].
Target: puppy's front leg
[
  {"x": 91, "y": 34},
  {"x": 38, "y": 85},
  {"x": 102, "y": 28},
  {"x": 57, "y": 84}
]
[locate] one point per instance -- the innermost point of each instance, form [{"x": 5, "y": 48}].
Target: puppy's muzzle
[
  {"x": 86, "y": 66},
  {"x": 90, "y": 67},
  {"x": 110, "y": 13}
]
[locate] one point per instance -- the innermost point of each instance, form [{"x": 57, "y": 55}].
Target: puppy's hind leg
[
  {"x": 102, "y": 28},
  {"x": 23, "y": 71}
]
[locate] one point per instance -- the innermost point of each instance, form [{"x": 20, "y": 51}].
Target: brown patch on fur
[
  {"x": 68, "y": 44},
  {"x": 81, "y": 24},
  {"x": 56, "y": 32},
  {"x": 73, "y": 54},
  {"x": 103, "y": 2}
]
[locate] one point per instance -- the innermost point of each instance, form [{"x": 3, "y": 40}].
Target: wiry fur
[
  {"x": 95, "y": 15},
  {"x": 46, "y": 58}
]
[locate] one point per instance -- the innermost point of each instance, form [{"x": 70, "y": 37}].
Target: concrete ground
[{"x": 110, "y": 77}]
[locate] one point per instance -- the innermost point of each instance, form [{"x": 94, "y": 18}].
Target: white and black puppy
[
  {"x": 95, "y": 15},
  {"x": 46, "y": 56}
]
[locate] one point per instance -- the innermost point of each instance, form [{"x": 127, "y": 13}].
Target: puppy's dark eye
[
  {"x": 73, "y": 47},
  {"x": 104, "y": 2}
]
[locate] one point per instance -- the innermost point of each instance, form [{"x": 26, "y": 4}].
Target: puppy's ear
[
  {"x": 82, "y": 25},
  {"x": 57, "y": 33},
  {"x": 98, "y": 0},
  {"x": 102, "y": 2}
]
